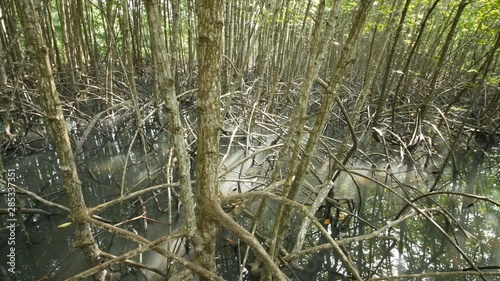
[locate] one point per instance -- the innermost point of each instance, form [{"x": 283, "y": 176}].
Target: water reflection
[{"x": 365, "y": 199}]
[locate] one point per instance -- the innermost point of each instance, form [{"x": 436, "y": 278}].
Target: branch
[
  {"x": 375, "y": 234},
  {"x": 147, "y": 245},
  {"x": 478, "y": 197},
  {"x": 246, "y": 236},
  {"x": 261, "y": 194},
  {"x": 39, "y": 198},
  {"x": 104, "y": 206},
  {"x": 437, "y": 274}
]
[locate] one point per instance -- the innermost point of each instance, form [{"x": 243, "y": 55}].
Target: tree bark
[
  {"x": 57, "y": 126},
  {"x": 167, "y": 88},
  {"x": 210, "y": 23}
]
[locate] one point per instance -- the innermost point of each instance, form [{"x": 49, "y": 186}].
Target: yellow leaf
[{"x": 64, "y": 225}]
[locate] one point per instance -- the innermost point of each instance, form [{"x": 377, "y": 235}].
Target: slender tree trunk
[
  {"x": 210, "y": 23},
  {"x": 109, "y": 19},
  {"x": 372, "y": 69},
  {"x": 10, "y": 33},
  {"x": 57, "y": 126},
  {"x": 191, "y": 52},
  {"x": 130, "y": 74},
  {"x": 443, "y": 54},
  {"x": 297, "y": 173},
  {"x": 137, "y": 33},
  {"x": 53, "y": 44},
  {"x": 176, "y": 39},
  {"x": 167, "y": 88},
  {"x": 3, "y": 74},
  {"x": 68, "y": 46},
  {"x": 382, "y": 99}
]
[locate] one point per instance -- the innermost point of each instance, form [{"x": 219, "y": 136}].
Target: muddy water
[{"x": 102, "y": 174}]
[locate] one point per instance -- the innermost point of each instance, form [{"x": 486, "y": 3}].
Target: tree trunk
[
  {"x": 210, "y": 23},
  {"x": 57, "y": 126},
  {"x": 167, "y": 87}
]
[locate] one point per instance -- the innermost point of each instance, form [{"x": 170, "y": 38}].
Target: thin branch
[
  {"x": 375, "y": 234},
  {"x": 255, "y": 195},
  {"x": 437, "y": 274},
  {"x": 146, "y": 245}
]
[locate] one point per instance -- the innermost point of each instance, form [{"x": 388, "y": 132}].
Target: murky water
[{"x": 107, "y": 171}]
